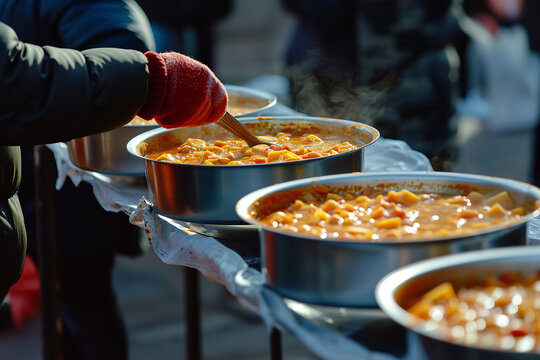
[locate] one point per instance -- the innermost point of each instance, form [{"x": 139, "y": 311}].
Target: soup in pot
[
  {"x": 290, "y": 144},
  {"x": 501, "y": 312},
  {"x": 373, "y": 215}
]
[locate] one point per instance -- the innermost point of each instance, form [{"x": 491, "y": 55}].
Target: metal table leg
[
  {"x": 192, "y": 313},
  {"x": 47, "y": 246},
  {"x": 275, "y": 344}
]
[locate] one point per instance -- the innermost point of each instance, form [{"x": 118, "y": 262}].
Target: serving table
[{"x": 328, "y": 332}]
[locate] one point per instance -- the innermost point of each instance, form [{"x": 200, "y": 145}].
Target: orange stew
[
  {"x": 395, "y": 215},
  {"x": 500, "y": 313},
  {"x": 288, "y": 147}
]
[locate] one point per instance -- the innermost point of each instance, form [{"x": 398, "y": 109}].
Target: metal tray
[{"x": 345, "y": 273}]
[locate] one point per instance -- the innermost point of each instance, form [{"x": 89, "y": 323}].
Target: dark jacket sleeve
[{"x": 49, "y": 94}]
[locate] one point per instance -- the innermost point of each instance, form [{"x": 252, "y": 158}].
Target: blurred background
[{"x": 492, "y": 131}]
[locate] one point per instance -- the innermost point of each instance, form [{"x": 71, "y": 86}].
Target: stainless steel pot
[
  {"x": 256, "y": 101},
  {"x": 106, "y": 152},
  {"x": 207, "y": 194},
  {"x": 415, "y": 279},
  {"x": 344, "y": 273}
]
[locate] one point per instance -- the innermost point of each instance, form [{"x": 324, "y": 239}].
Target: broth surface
[
  {"x": 373, "y": 215},
  {"x": 289, "y": 146},
  {"x": 502, "y": 312}
]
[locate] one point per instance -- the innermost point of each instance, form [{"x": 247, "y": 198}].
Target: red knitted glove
[{"x": 182, "y": 92}]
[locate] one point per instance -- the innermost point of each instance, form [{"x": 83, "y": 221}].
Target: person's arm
[{"x": 50, "y": 94}]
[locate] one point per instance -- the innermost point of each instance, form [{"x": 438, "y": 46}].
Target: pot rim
[
  {"x": 260, "y": 94},
  {"x": 243, "y": 205},
  {"x": 386, "y": 287},
  {"x": 132, "y": 145}
]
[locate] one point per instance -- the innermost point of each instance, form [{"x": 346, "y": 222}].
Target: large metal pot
[
  {"x": 413, "y": 280},
  {"x": 344, "y": 273},
  {"x": 244, "y": 101},
  {"x": 106, "y": 152},
  {"x": 207, "y": 194}
]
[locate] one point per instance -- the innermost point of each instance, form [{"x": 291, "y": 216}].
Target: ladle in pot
[{"x": 230, "y": 123}]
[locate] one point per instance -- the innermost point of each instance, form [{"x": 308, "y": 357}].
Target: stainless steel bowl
[
  {"x": 415, "y": 279},
  {"x": 207, "y": 194},
  {"x": 345, "y": 273},
  {"x": 244, "y": 101},
  {"x": 106, "y": 152}
]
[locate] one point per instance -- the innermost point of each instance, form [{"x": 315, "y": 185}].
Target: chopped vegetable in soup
[
  {"x": 501, "y": 312},
  {"x": 371, "y": 215},
  {"x": 288, "y": 147}
]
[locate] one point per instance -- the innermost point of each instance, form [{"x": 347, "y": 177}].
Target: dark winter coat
[{"x": 50, "y": 94}]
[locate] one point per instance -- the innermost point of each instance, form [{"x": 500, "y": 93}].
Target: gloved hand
[{"x": 182, "y": 92}]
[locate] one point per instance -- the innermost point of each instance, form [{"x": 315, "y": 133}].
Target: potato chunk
[
  {"x": 444, "y": 291},
  {"x": 503, "y": 199},
  {"x": 403, "y": 197},
  {"x": 311, "y": 139}
]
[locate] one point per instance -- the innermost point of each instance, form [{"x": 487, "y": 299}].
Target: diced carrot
[
  {"x": 497, "y": 209},
  {"x": 220, "y": 143},
  {"x": 259, "y": 160},
  {"x": 392, "y": 223},
  {"x": 518, "y": 332},
  {"x": 518, "y": 211},
  {"x": 311, "y": 155},
  {"x": 378, "y": 212},
  {"x": 468, "y": 214}
]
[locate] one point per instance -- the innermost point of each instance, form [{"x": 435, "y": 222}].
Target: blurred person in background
[
  {"x": 530, "y": 14},
  {"x": 186, "y": 25},
  {"x": 89, "y": 237},
  {"x": 389, "y": 63},
  {"x": 504, "y": 69},
  {"x": 503, "y": 74}
]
